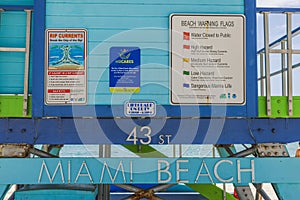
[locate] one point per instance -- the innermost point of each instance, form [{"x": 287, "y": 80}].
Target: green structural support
[
  {"x": 209, "y": 191},
  {"x": 144, "y": 151},
  {"x": 279, "y": 107},
  {"x": 12, "y": 106}
]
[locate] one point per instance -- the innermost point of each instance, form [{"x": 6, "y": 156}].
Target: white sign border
[
  {"x": 84, "y": 30},
  {"x": 244, "y": 58}
]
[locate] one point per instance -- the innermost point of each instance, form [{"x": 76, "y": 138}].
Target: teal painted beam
[
  {"x": 149, "y": 170},
  {"x": 287, "y": 191},
  {"x": 209, "y": 191},
  {"x": 60, "y": 194}
]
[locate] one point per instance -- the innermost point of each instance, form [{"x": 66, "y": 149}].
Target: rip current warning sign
[{"x": 66, "y": 68}]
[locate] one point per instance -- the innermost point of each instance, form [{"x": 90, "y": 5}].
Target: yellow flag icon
[{"x": 186, "y": 60}]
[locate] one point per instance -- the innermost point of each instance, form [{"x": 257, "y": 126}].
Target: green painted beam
[
  {"x": 279, "y": 107},
  {"x": 12, "y": 106},
  {"x": 209, "y": 191},
  {"x": 144, "y": 151}
]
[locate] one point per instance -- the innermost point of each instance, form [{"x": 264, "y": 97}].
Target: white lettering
[
  {"x": 217, "y": 174},
  {"x": 120, "y": 167},
  {"x": 147, "y": 135},
  {"x": 161, "y": 139},
  {"x": 239, "y": 171},
  {"x": 131, "y": 172},
  {"x": 166, "y": 171},
  {"x": 44, "y": 166},
  {"x": 69, "y": 171},
  {"x": 179, "y": 170},
  {"x": 79, "y": 174},
  {"x": 207, "y": 174},
  {"x": 164, "y": 139}
]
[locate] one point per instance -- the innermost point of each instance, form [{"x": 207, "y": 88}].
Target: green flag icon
[{"x": 186, "y": 73}]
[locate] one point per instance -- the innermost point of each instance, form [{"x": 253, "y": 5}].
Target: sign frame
[
  {"x": 141, "y": 109},
  {"x": 197, "y": 102},
  {"x": 73, "y": 70},
  {"x": 124, "y": 69}
]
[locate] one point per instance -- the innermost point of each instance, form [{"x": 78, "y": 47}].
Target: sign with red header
[{"x": 66, "y": 77}]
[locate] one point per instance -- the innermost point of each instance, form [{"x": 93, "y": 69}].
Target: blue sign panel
[{"x": 124, "y": 69}]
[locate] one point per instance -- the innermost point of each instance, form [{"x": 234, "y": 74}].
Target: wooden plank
[
  {"x": 120, "y": 10},
  {"x": 146, "y": 48},
  {"x": 11, "y": 68},
  {"x": 16, "y": 2},
  {"x": 11, "y": 57},
  {"x": 106, "y": 23},
  {"x": 144, "y": 35},
  {"x": 190, "y": 2},
  {"x": 120, "y": 99},
  {"x": 12, "y": 42},
  {"x": 13, "y": 18}
]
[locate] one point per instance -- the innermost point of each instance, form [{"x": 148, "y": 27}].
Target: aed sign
[{"x": 207, "y": 56}]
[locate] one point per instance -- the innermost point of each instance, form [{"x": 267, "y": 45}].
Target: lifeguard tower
[{"x": 140, "y": 74}]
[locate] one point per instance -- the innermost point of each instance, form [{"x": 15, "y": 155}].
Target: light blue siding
[
  {"x": 133, "y": 10},
  {"x": 140, "y": 23},
  {"x": 156, "y": 2},
  {"x": 13, "y": 34},
  {"x": 17, "y": 2},
  {"x": 103, "y": 47},
  {"x": 120, "y": 99}
]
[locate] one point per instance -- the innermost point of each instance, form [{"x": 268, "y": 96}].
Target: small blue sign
[
  {"x": 124, "y": 69},
  {"x": 140, "y": 109}
]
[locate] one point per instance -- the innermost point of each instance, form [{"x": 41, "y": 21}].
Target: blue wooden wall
[
  {"x": 17, "y": 2},
  {"x": 13, "y": 34},
  {"x": 141, "y": 23}
]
